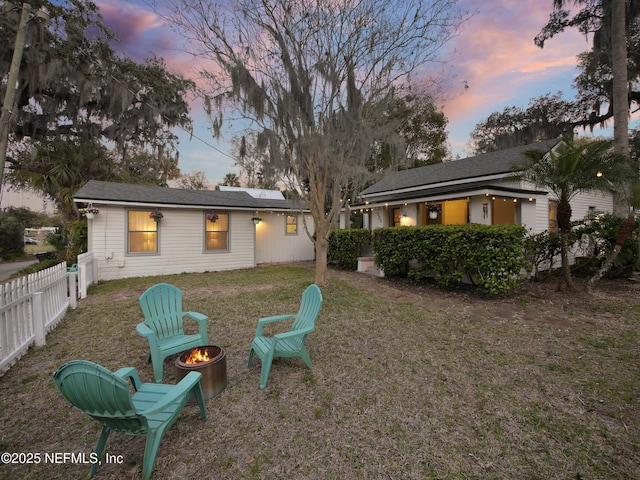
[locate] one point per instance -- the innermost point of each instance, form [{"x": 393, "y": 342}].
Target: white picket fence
[
  {"x": 32, "y": 306},
  {"x": 87, "y": 272}
]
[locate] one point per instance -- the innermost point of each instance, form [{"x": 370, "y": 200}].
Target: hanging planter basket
[
  {"x": 434, "y": 210},
  {"x": 89, "y": 212},
  {"x": 156, "y": 215},
  {"x": 212, "y": 217}
]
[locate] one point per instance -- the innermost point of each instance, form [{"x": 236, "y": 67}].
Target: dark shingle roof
[
  {"x": 124, "y": 193},
  {"x": 488, "y": 164}
]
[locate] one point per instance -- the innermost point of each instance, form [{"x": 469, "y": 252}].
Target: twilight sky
[{"x": 494, "y": 54}]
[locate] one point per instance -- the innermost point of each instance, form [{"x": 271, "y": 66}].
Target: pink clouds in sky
[
  {"x": 494, "y": 55},
  {"x": 502, "y": 66},
  {"x": 141, "y": 34}
]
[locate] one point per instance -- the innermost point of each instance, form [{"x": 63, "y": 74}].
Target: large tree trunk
[
  {"x": 321, "y": 240},
  {"x": 321, "y": 262},
  {"x": 620, "y": 94},
  {"x": 566, "y": 279},
  {"x": 620, "y": 82},
  {"x": 564, "y": 225},
  {"x": 620, "y": 125}
]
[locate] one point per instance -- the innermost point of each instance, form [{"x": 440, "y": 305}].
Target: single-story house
[
  {"x": 470, "y": 190},
  {"x": 193, "y": 231}
]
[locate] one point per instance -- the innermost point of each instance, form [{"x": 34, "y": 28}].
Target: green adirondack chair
[
  {"x": 105, "y": 396},
  {"x": 291, "y": 343},
  {"x": 163, "y": 325}
]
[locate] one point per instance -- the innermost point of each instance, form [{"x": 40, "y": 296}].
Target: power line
[{"x": 178, "y": 126}]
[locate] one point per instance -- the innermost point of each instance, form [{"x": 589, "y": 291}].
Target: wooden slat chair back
[
  {"x": 163, "y": 325},
  {"x": 105, "y": 396},
  {"x": 291, "y": 343}
]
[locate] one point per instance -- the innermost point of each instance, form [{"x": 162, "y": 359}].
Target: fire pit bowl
[{"x": 211, "y": 362}]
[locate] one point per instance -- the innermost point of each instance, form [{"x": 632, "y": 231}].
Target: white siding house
[
  {"x": 126, "y": 242},
  {"x": 471, "y": 190}
]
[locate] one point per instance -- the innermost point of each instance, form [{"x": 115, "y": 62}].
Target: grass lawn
[{"x": 407, "y": 383}]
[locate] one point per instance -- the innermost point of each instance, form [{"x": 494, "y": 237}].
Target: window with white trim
[
  {"x": 216, "y": 234},
  {"x": 142, "y": 232},
  {"x": 292, "y": 225}
]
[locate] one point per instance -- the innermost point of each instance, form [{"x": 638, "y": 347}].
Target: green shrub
[
  {"x": 11, "y": 237},
  {"x": 541, "y": 249},
  {"x": 598, "y": 237},
  {"x": 345, "y": 245},
  {"x": 491, "y": 257}
]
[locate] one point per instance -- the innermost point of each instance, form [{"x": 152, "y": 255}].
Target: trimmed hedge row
[
  {"x": 491, "y": 257},
  {"x": 344, "y": 247}
]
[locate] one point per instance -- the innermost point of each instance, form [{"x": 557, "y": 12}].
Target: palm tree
[
  {"x": 60, "y": 167},
  {"x": 570, "y": 168},
  {"x": 231, "y": 180}
]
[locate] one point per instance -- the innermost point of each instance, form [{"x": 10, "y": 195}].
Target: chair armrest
[
  {"x": 198, "y": 317},
  {"x": 265, "y": 320},
  {"x": 145, "y": 331},
  {"x": 179, "y": 390},
  {"x": 294, "y": 333},
  {"x": 201, "y": 319},
  {"x": 131, "y": 373}
]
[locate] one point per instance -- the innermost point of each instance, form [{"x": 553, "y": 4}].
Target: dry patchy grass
[{"x": 408, "y": 383}]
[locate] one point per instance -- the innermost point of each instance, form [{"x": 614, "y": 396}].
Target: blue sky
[{"x": 494, "y": 55}]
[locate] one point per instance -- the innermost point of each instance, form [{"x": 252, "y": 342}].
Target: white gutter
[{"x": 120, "y": 203}]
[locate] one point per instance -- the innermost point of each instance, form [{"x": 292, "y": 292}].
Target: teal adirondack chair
[
  {"x": 163, "y": 325},
  {"x": 105, "y": 396},
  {"x": 291, "y": 343}
]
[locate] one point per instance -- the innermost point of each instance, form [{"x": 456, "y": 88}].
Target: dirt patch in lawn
[
  {"x": 132, "y": 295},
  {"x": 532, "y": 302}
]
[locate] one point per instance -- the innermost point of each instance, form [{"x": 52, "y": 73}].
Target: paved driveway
[{"x": 9, "y": 268}]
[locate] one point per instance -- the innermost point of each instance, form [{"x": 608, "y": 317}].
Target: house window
[
  {"x": 396, "y": 217},
  {"x": 504, "y": 211},
  {"x": 216, "y": 233},
  {"x": 292, "y": 224},
  {"x": 427, "y": 217},
  {"x": 455, "y": 212},
  {"x": 142, "y": 232},
  {"x": 452, "y": 212},
  {"x": 553, "y": 216}
]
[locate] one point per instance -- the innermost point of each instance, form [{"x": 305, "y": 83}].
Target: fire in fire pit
[
  {"x": 211, "y": 362},
  {"x": 198, "y": 355}
]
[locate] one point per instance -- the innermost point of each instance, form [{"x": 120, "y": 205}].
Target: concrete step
[{"x": 368, "y": 265}]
